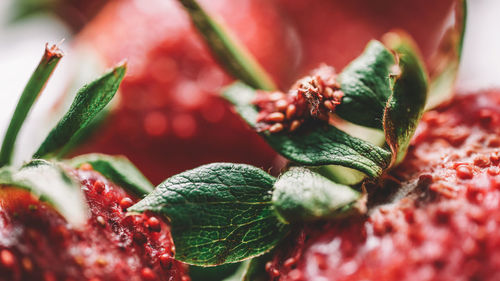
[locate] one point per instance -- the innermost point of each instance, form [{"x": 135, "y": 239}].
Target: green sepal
[
  {"x": 89, "y": 101},
  {"x": 220, "y": 213},
  {"x": 366, "y": 85},
  {"x": 444, "y": 66},
  {"x": 230, "y": 53},
  {"x": 319, "y": 145},
  {"x": 118, "y": 169},
  {"x": 301, "y": 194},
  {"x": 31, "y": 92},
  {"x": 406, "y": 105}
]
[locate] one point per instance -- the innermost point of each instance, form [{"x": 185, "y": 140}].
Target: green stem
[
  {"x": 232, "y": 55},
  {"x": 32, "y": 90}
]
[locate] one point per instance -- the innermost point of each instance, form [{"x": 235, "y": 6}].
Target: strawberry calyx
[
  {"x": 244, "y": 219},
  {"x": 382, "y": 84}
]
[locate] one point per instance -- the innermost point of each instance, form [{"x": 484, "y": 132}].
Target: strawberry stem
[
  {"x": 232, "y": 55},
  {"x": 30, "y": 93}
]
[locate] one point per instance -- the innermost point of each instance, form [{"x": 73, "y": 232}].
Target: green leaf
[
  {"x": 303, "y": 195},
  {"x": 366, "y": 85},
  {"x": 35, "y": 85},
  {"x": 220, "y": 213},
  {"x": 406, "y": 106},
  {"x": 341, "y": 175},
  {"x": 89, "y": 101},
  {"x": 50, "y": 183},
  {"x": 119, "y": 170},
  {"x": 232, "y": 55},
  {"x": 320, "y": 145},
  {"x": 445, "y": 63}
]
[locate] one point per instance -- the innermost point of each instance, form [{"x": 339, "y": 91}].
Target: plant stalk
[
  {"x": 35, "y": 85},
  {"x": 230, "y": 53}
]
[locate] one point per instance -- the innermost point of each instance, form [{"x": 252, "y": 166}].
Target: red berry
[{"x": 439, "y": 231}]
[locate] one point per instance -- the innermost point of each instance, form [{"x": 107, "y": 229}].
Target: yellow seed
[
  {"x": 290, "y": 111},
  {"x": 295, "y": 125},
  {"x": 281, "y": 105},
  {"x": 101, "y": 261},
  {"x": 278, "y": 127},
  {"x": 101, "y": 220},
  {"x": 27, "y": 264},
  {"x": 275, "y": 117}
]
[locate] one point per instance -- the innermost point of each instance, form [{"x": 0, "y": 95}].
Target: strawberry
[
  {"x": 382, "y": 213},
  {"x": 68, "y": 219},
  {"x": 334, "y": 32},
  {"x": 37, "y": 243},
  {"x": 227, "y": 213},
  {"x": 445, "y": 228},
  {"x": 169, "y": 117}
]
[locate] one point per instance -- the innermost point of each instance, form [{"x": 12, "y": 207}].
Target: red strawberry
[
  {"x": 169, "y": 117},
  {"x": 37, "y": 243},
  {"x": 335, "y": 32},
  {"x": 444, "y": 228}
]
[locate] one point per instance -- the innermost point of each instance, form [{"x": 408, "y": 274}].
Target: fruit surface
[
  {"x": 445, "y": 219},
  {"x": 335, "y": 32},
  {"x": 36, "y": 243}
]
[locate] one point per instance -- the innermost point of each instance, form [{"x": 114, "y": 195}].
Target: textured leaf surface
[
  {"x": 119, "y": 170},
  {"x": 89, "y": 101},
  {"x": 50, "y": 183},
  {"x": 406, "y": 105},
  {"x": 220, "y": 213},
  {"x": 321, "y": 145},
  {"x": 303, "y": 195},
  {"x": 366, "y": 85}
]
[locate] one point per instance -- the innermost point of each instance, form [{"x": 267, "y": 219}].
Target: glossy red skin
[
  {"x": 446, "y": 228},
  {"x": 336, "y": 31},
  {"x": 169, "y": 117},
  {"x": 36, "y": 242}
]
